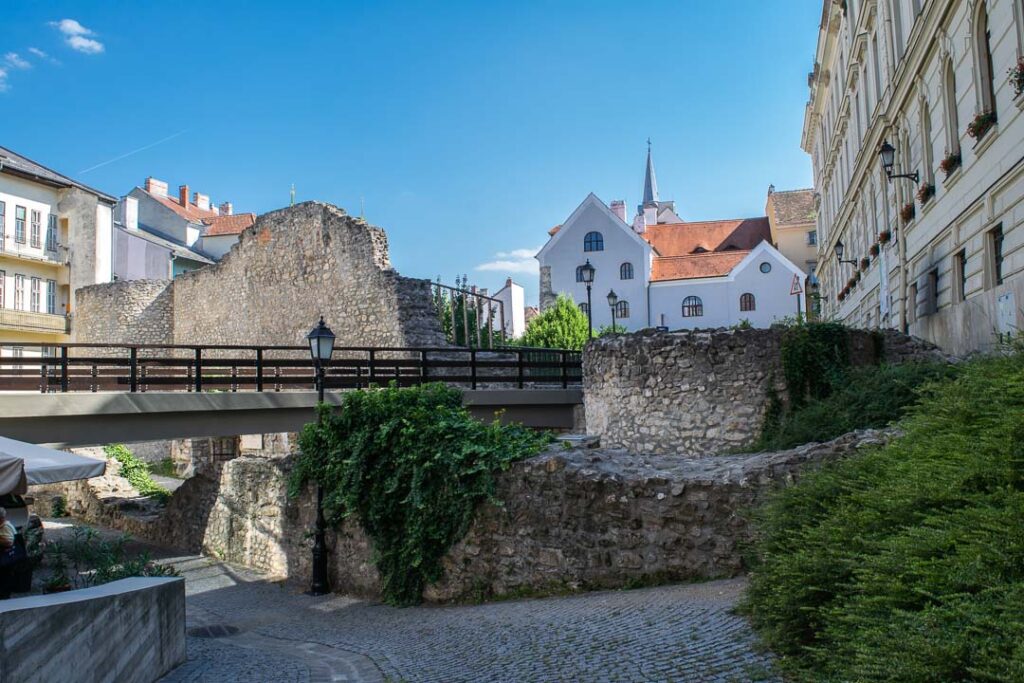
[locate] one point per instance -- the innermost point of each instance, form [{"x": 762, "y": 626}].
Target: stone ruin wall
[
  {"x": 702, "y": 392},
  {"x": 571, "y": 519},
  {"x": 292, "y": 266}
]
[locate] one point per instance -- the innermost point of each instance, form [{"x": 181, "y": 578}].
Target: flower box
[
  {"x": 884, "y": 237},
  {"x": 950, "y": 163},
  {"x": 981, "y": 124},
  {"x": 856, "y": 277},
  {"x": 842, "y": 295},
  {"x": 925, "y": 192},
  {"x": 908, "y": 212},
  {"x": 1017, "y": 77},
  {"x": 865, "y": 263},
  {"x": 875, "y": 249}
]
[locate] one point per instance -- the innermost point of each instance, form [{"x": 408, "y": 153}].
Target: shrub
[
  {"x": 413, "y": 466},
  {"x": 906, "y": 563},
  {"x": 87, "y": 559},
  {"x": 135, "y": 471},
  {"x": 562, "y": 326}
]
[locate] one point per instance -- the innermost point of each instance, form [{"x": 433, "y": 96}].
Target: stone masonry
[
  {"x": 701, "y": 392},
  {"x": 575, "y": 518},
  {"x": 292, "y": 266}
]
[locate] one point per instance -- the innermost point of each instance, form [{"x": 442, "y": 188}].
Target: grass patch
[
  {"x": 135, "y": 471},
  {"x": 906, "y": 563}
]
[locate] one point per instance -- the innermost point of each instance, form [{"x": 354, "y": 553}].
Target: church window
[
  {"x": 622, "y": 309},
  {"x": 593, "y": 241},
  {"x": 983, "y": 64},
  {"x": 693, "y": 307},
  {"x": 626, "y": 271},
  {"x": 747, "y": 302}
]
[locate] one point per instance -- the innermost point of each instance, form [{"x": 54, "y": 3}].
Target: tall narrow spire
[{"x": 650, "y": 182}]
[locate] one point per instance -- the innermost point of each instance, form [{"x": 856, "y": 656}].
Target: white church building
[{"x": 664, "y": 271}]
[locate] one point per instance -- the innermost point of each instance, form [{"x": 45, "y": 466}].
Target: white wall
[
  {"x": 721, "y": 295},
  {"x": 218, "y": 245},
  {"x": 513, "y": 300},
  {"x": 620, "y": 244}
]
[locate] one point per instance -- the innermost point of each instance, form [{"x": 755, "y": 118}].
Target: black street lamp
[
  {"x": 587, "y": 273},
  {"x": 840, "y": 250},
  {"x": 612, "y": 300},
  {"x": 321, "y": 347},
  {"x": 887, "y": 153}
]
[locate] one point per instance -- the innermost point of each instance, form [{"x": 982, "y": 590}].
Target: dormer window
[
  {"x": 593, "y": 241},
  {"x": 699, "y": 250}
]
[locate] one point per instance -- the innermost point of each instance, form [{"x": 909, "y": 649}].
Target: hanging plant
[
  {"x": 884, "y": 237},
  {"x": 856, "y": 278},
  {"x": 865, "y": 263},
  {"x": 908, "y": 212},
  {"x": 981, "y": 124},
  {"x": 1017, "y": 77},
  {"x": 950, "y": 163},
  {"x": 875, "y": 249},
  {"x": 842, "y": 294},
  {"x": 851, "y": 283},
  {"x": 925, "y": 192}
]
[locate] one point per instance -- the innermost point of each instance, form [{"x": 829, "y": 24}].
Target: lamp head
[
  {"x": 887, "y": 153},
  {"x": 587, "y": 271},
  {"x": 321, "y": 343}
]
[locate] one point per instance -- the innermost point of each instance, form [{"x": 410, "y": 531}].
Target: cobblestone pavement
[{"x": 272, "y": 632}]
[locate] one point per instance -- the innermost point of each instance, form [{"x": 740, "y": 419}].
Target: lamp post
[
  {"x": 887, "y": 154},
  {"x": 321, "y": 347},
  {"x": 840, "y": 250},
  {"x": 587, "y": 273},
  {"x": 612, "y": 300}
]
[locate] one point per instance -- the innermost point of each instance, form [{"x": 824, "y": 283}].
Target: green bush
[
  {"x": 86, "y": 559},
  {"x": 562, "y": 326},
  {"x": 906, "y": 563},
  {"x": 135, "y": 471},
  {"x": 412, "y": 465},
  {"x": 867, "y": 397}
]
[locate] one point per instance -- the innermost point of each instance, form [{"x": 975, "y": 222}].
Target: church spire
[{"x": 650, "y": 182}]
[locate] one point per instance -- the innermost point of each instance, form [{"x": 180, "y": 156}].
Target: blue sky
[{"x": 467, "y": 128}]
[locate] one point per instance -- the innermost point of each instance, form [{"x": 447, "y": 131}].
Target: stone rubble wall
[
  {"x": 572, "y": 519},
  {"x": 292, "y": 266},
  {"x": 701, "y": 392}
]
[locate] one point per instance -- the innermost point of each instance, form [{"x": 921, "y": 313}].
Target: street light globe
[
  {"x": 612, "y": 298},
  {"x": 887, "y": 153},
  {"x": 321, "y": 343},
  {"x": 587, "y": 272}
]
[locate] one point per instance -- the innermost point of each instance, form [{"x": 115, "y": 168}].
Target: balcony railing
[
  {"x": 51, "y": 253},
  {"x": 27, "y": 321}
]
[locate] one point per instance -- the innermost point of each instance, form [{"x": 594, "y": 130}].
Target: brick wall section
[
  {"x": 698, "y": 393},
  {"x": 289, "y": 268}
]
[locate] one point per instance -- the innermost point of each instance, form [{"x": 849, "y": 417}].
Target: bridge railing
[{"x": 159, "y": 367}]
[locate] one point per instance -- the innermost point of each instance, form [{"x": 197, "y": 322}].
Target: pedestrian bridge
[{"x": 89, "y": 394}]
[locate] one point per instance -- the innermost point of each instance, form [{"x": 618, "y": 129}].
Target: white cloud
[
  {"x": 3, "y": 80},
  {"x": 42, "y": 55},
  {"x": 75, "y": 36},
  {"x": 15, "y": 61},
  {"x": 515, "y": 261}
]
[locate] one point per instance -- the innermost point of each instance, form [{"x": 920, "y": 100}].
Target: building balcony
[
  {"x": 58, "y": 255},
  {"x": 27, "y": 321}
]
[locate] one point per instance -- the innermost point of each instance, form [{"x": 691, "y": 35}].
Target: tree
[{"x": 562, "y": 326}]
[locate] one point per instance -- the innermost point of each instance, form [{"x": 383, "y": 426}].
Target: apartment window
[
  {"x": 35, "y": 294},
  {"x": 622, "y": 310},
  {"x": 995, "y": 260},
  {"x": 960, "y": 273},
  {"x": 36, "y": 229},
  {"x": 693, "y": 307},
  {"x": 912, "y": 304},
  {"x": 626, "y": 271},
  {"x": 926, "y": 142},
  {"x": 51, "y": 296},
  {"x": 986, "y": 84},
  {"x": 51, "y": 233},
  {"x": 593, "y": 241},
  {"x": 19, "y": 224},
  {"x": 812, "y": 238},
  {"x": 19, "y": 292},
  {"x": 931, "y": 302},
  {"x": 747, "y": 302}
]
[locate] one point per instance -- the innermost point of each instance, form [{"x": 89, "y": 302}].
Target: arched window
[
  {"x": 626, "y": 271},
  {"x": 622, "y": 310},
  {"x": 584, "y": 308},
  {"x": 594, "y": 241},
  {"x": 747, "y": 302},
  {"x": 693, "y": 307},
  {"x": 952, "y": 119},
  {"x": 986, "y": 84},
  {"x": 926, "y": 142}
]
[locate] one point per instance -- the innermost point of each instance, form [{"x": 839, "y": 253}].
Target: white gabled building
[{"x": 664, "y": 271}]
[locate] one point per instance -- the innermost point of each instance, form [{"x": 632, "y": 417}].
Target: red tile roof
[
  {"x": 191, "y": 213},
  {"x": 228, "y": 225},
  {"x": 711, "y": 264},
  {"x": 554, "y": 231},
  {"x": 793, "y": 207},
  {"x": 703, "y": 249}
]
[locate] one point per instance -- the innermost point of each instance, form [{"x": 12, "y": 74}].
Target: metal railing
[
  {"x": 155, "y": 367},
  {"x": 31, "y": 321},
  {"x": 469, "y": 317}
]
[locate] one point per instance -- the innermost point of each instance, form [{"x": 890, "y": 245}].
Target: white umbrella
[{"x": 25, "y": 463}]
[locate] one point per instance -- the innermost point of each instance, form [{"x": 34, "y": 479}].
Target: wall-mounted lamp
[{"x": 887, "y": 153}]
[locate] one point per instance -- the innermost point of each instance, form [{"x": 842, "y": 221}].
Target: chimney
[
  {"x": 202, "y": 201},
  {"x": 157, "y": 187},
  {"x": 618, "y": 207},
  {"x": 183, "y": 195},
  {"x": 640, "y": 222},
  {"x": 508, "y": 282},
  {"x": 651, "y": 214},
  {"x": 226, "y": 209},
  {"x": 130, "y": 215}
]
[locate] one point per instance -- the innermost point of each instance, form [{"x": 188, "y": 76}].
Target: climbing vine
[
  {"x": 815, "y": 359},
  {"x": 412, "y": 466}
]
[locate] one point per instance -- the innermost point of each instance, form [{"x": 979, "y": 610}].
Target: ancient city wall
[
  {"x": 701, "y": 392},
  {"x": 292, "y": 266}
]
